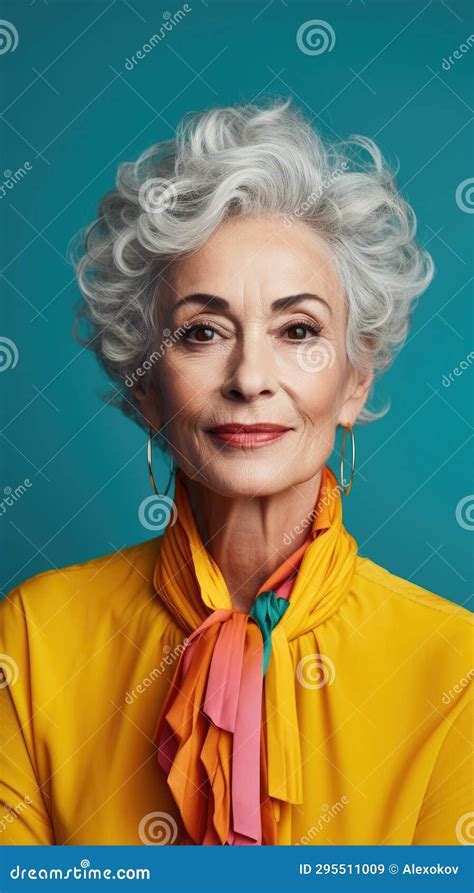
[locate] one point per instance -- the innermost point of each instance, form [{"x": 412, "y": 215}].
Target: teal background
[{"x": 73, "y": 111}]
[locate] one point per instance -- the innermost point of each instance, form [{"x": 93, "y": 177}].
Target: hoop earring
[
  {"x": 150, "y": 468},
  {"x": 346, "y": 489}
]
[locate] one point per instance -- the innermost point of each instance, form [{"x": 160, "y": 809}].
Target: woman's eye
[
  {"x": 202, "y": 333},
  {"x": 203, "y": 329},
  {"x": 300, "y": 329}
]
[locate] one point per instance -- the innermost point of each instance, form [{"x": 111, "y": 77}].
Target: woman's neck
[{"x": 249, "y": 538}]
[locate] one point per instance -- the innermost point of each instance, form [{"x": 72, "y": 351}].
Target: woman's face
[{"x": 242, "y": 359}]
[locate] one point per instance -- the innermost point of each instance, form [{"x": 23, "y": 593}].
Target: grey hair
[{"x": 247, "y": 160}]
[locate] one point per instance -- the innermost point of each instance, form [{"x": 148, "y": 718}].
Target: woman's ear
[
  {"x": 147, "y": 403},
  {"x": 358, "y": 390}
]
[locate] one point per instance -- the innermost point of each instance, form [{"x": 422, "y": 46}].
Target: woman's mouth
[{"x": 248, "y": 435}]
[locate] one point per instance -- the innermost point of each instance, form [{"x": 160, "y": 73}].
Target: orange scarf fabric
[{"x": 207, "y": 725}]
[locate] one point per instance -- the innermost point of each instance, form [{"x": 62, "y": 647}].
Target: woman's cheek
[
  {"x": 183, "y": 393},
  {"x": 318, "y": 386}
]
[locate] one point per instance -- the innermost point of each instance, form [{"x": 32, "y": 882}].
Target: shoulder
[
  {"x": 414, "y": 631},
  {"x": 413, "y": 616},
  {"x": 410, "y": 597},
  {"x": 90, "y": 586},
  {"x": 408, "y": 594}
]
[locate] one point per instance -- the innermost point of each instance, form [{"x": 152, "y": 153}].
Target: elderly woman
[{"x": 245, "y": 677}]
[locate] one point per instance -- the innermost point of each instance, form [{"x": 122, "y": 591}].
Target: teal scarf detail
[{"x": 267, "y": 610}]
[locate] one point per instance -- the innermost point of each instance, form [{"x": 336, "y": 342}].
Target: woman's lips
[{"x": 248, "y": 436}]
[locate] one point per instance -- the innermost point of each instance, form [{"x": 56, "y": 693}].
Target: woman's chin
[{"x": 244, "y": 478}]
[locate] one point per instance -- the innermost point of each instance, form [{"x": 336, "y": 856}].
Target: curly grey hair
[{"x": 242, "y": 160}]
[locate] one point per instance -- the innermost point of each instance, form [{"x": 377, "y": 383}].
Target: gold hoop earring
[
  {"x": 346, "y": 488},
  {"x": 150, "y": 467}
]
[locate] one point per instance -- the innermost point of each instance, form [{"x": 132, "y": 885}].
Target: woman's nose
[{"x": 252, "y": 373}]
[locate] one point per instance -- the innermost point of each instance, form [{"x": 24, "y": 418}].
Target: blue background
[
  {"x": 73, "y": 111},
  {"x": 210, "y": 869}
]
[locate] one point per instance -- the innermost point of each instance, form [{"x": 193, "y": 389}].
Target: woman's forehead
[{"x": 257, "y": 257}]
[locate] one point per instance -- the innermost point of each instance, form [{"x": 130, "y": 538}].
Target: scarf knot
[{"x": 267, "y": 610}]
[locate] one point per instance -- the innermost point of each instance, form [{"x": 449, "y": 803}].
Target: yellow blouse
[{"x": 89, "y": 652}]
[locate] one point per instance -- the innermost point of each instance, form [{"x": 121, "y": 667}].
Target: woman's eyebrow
[{"x": 220, "y": 304}]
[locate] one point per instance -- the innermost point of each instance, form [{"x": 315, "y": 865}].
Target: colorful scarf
[{"x": 227, "y": 733}]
